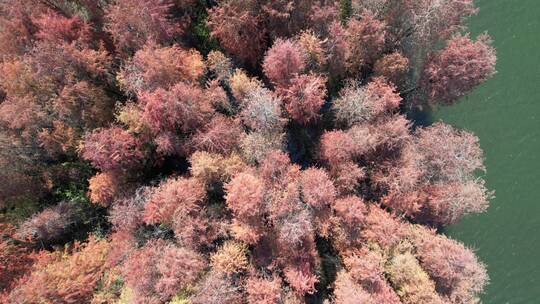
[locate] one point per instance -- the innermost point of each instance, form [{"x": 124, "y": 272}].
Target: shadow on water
[{"x": 420, "y": 118}]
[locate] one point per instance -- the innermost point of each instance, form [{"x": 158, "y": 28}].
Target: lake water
[{"x": 505, "y": 114}]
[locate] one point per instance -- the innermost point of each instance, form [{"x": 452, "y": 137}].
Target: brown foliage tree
[{"x": 48, "y": 225}]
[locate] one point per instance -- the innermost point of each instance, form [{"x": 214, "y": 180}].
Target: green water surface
[{"x": 505, "y": 114}]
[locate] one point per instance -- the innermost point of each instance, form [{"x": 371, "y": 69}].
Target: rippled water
[{"x": 505, "y": 114}]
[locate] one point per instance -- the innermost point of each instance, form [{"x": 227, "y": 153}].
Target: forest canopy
[{"x": 237, "y": 151}]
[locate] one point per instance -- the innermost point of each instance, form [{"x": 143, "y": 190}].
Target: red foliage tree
[
  {"x": 351, "y": 210},
  {"x": 400, "y": 180},
  {"x": 284, "y": 18},
  {"x": 59, "y": 140},
  {"x": 382, "y": 228},
  {"x": 20, "y": 179},
  {"x": 85, "y": 105},
  {"x": 338, "y": 49},
  {"x": 336, "y": 147},
  {"x": 322, "y": 16},
  {"x": 360, "y": 141},
  {"x": 22, "y": 114},
  {"x": 217, "y": 288},
  {"x": 383, "y": 96},
  {"x": 18, "y": 28},
  {"x": 301, "y": 280},
  {"x": 346, "y": 291},
  {"x": 366, "y": 268},
  {"x": 455, "y": 70},
  {"x": 221, "y": 135},
  {"x": 178, "y": 267},
  {"x": 274, "y": 167},
  {"x": 127, "y": 214},
  {"x": 347, "y": 177},
  {"x": 60, "y": 64},
  {"x": 15, "y": 261},
  {"x": 179, "y": 203}
]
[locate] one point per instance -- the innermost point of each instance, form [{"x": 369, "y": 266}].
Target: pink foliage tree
[
  {"x": 455, "y": 269},
  {"x": 55, "y": 28},
  {"x": 157, "y": 271},
  {"x": 264, "y": 291},
  {"x": 304, "y": 98},
  {"x": 366, "y": 40},
  {"x": 237, "y": 26},
  {"x": 221, "y": 135},
  {"x": 155, "y": 67},
  {"x": 174, "y": 194},
  {"x": 132, "y": 23},
  {"x": 184, "y": 107},
  {"x": 318, "y": 190},
  {"x": 309, "y": 184},
  {"x": 111, "y": 149},
  {"x": 455, "y": 70},
  {"x": 283, "y": 61},
  {"x": 245, "y": 197}
]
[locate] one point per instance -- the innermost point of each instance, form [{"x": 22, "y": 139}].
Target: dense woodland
[{"x": 237, "y": 151}]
